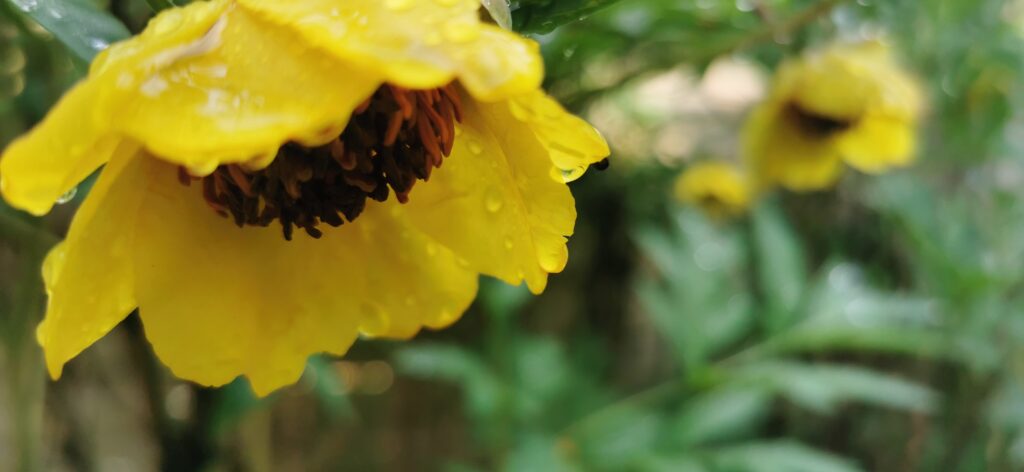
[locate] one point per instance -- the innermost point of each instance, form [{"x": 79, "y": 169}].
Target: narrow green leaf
[
  {"x": 781, "y": 265},
  {"x": 824, "y": 387},
  {"x": 78, "y": 24},
  {"x": 720, "y": 415},
  {"x": 543, "y": 16},
  {"x": 778, "y": 456}
]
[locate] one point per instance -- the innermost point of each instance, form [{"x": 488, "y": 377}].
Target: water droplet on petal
[
  {"x": 68, "y": 196},
  {"x": 374, "y": 322},
  {"x": 494, "y": 201}
]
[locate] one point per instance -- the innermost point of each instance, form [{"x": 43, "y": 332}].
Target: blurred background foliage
[{"x": 874, "y": 326}]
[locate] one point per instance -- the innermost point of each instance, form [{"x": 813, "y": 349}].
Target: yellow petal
[
  {"x": 415, "y": 43},
  {"x": 234, "y": 93},
  {"x": 78, "y": 134},
  {"x": 572, "y": 143},
  {"x": 219, "y": 301},
  {"x": 781, "y": 152},
  {"x": 498, "y": 201},
  {"x": 877, "y": 143},
  {"x": 89, "y": 275},
  {"x": 70, "y": 144}
]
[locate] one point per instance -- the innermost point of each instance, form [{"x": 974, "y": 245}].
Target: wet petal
[
  {"x": 416, "y": 44},
  {"x": 573, "y": 144},
  {"x": 89, "y": 275},
  {"x": 498, "y": 201},
  {"x": 236, "y": 92},
  {"x": 219, "y": 301},
  {"x": 70, "y": 143}
]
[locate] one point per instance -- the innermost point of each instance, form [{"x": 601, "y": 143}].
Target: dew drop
[
  {"x": 474, "y": 146},
  {"x": 98, "y": 44},
  {"x": 509, "y": 244},
  {"x": 26, "y": 5},
  {"x": 494, "y": 201},
  {"x": 432, "y": 249},
  {"x": 446, "y": 316},
  {"x": 568, "y": 175},
  {"x": 374, "y": 322},
  {"x": 68, "y": 196}
]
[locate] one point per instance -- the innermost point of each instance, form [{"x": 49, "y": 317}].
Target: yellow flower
[
  {"x": 721, "y": 190},
  {"x": 846, "y": 103},
  {"x": 229, "y": 124}
]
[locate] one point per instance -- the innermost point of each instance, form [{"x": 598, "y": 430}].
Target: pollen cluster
[{"x": 393, "y": 139}]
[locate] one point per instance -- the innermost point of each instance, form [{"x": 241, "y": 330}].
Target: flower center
[
  {"x": 393, "y": 139},
  {"x": 817, "y": 124}
]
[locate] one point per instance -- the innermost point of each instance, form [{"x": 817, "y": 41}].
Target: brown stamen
[
  {"x": 395, "y": 138},
  {"x": 816, "y": 123}
]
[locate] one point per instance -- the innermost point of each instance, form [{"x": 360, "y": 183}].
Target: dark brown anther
[
  {"x": 393, "y": 139},
  {"x": 817, "y": 124}
]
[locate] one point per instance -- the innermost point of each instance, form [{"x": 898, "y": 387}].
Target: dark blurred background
[{"x": 874, "y": 326}]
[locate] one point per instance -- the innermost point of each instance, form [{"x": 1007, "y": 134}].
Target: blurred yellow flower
[
  {"x": 279, "y": 115},
  {"x": 721, "y": 190},
  {"x": 847, "y": 103}
]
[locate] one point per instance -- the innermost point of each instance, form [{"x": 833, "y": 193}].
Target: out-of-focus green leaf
[
  {"x": 541, "y": 373},
  {"x": 328, "y": 387},
  {"x": 721, "y": 415},
  {"x": 620, "y": 438},
  {"x": 234, "y": 401},
  {"x": 543, "y": 16},
  {"x": 781, "y": 265},
  {"x": 79, "y": 24},
  {"x": 441, "y": 362},
  {"x": 777, "y": 457},
  {"x": 537, "y": 452},
  {"x": 694, "y": 300},
  {"x": 823, "y": 387},
  {"x": 502, "y": 300},
  {"x": 672, "y": 463}
]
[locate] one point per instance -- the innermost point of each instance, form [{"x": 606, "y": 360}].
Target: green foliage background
[{"x": 876, "y": 326}]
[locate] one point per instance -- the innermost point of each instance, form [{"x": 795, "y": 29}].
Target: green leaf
[
  {"x": 78, "y": 24},
  {"x": 781, "y": 265},
  {"x": 778, "y": 456},
  {"x": 824, "y": 387},
  {"x": 328, "y": 387},
  {"x": 442, "y": 362},
  {"x": 720, "y": 415},
  {"x": 694, "y": 300},
  {"x": 621, "y": 437},
  {"x": 536, "y": 452},
  {"x": 543, "y": 16}
]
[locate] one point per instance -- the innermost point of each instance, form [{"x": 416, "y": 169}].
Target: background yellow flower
[
  {"x": 847, "y": 103},
  {"x": 720, "y": 189}
]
